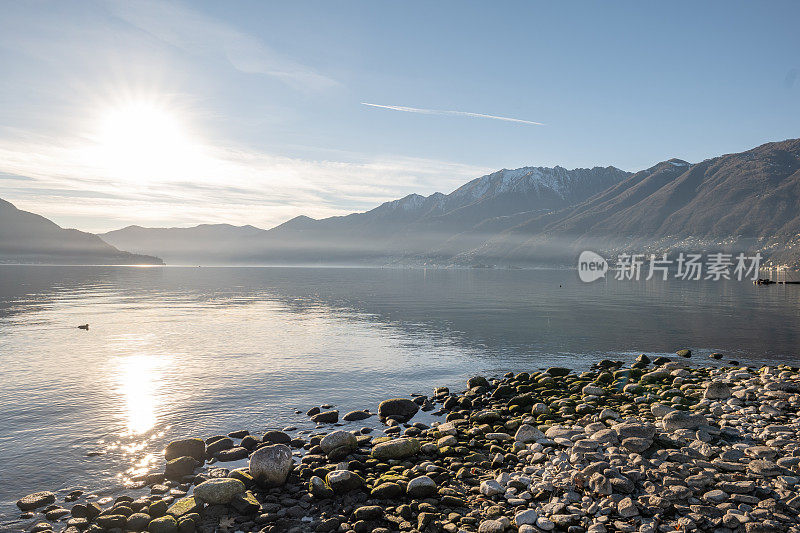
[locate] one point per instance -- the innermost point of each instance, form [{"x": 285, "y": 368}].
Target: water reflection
[
  {"x": 179, "y": 352},
  {"x": 139, "y": 376}
]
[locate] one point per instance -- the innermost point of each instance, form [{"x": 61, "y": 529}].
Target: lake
[{"x": 173, "y": 352}]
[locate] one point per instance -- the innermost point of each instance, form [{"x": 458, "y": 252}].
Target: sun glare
[{"x": 142, "y": 142}]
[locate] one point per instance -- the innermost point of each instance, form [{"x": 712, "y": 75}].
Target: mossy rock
[{"x": 605, "y": 378}]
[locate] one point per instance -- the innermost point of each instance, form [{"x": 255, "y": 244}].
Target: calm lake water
[{"x": 174, "y": 352}]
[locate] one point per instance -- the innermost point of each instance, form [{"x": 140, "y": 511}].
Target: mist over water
[{"x": 173, "y": 352}]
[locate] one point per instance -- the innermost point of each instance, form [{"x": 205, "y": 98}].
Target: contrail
[{"x": 455, "y": 113}]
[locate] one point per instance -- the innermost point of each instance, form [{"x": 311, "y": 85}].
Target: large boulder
[
  {"x": 192, "y": 447},
  {"x": 219, "y": 491},
  {"x": 396, "y": 449},
  {"x": 400, "y": 409},
  {"x": 270, "y": 465},
  {"x": 339, "y": 440}
]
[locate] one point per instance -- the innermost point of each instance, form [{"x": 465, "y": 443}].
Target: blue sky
[{"x": 159, "y": 113}]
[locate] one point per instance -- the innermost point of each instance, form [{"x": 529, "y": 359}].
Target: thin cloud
[
  {"x": 233, "y": 184},
  {"x": 194, "y": 32},
  {"x": 452, "y": 113}
]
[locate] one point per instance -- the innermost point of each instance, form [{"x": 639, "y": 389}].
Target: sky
[{"x": 252, "y": 112}]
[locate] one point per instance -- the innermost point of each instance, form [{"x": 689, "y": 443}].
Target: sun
[{"x": 142, "y": 141}]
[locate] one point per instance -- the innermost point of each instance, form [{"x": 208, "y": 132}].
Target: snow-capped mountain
[{"x": 409, "y": 226}]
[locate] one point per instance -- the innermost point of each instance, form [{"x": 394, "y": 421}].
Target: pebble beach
[{"x": 658, "y": 445}]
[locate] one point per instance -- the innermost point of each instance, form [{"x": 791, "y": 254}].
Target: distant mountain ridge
[
  {"x": 744, "y": 201},
  {"x": 403, "y": 228},
  {"x": 29, "y": 238}
]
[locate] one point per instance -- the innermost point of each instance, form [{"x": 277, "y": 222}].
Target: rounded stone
[
  {"x": 224, "y": 443},
  {"x": 368, "y": 512},
  {"x": 683, "y": 420},
  {"x": 396, "y": 449},
  {"x": 177, "y": 468},
  {"x": 165, "y": 524},
  {"x": 527, "y": 517},
  {"x": 526, "y": 433},
  {"x": 491, "y": 526},
  {"x": 276, "y": 437},
  {"x": 192, "y": 447},
  {"x": 717, "y": 390},
  {"x": 400, "y": 409},
  {"x": 421, "y": 487},
  {"x": 219, "y": 490},
  {"x": 342, "y": 481},
  {"x": 318, "y": 488},
  {"x": 545, "y": 524},
  {"x": 354, "y": 416},
  {"x": 138, "y": 522},
  {"x": 271, "y": 465},
  {"x": 338, "y": 439},
  {"x": 35, "y": 500},
  {"x": 326, "y": 417},
  {"x": 387, "y": 491}
]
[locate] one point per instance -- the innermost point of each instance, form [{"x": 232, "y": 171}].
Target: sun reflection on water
[{"x": 139, "y": 376}]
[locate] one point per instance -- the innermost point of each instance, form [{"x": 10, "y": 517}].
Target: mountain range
[
  {"x": 29, "y": 238},
  {"x": 400, "y": 231},
  {"x": 748, "y": 201}
]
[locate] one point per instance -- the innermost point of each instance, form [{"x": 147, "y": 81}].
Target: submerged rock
[{"x": 35, "y": 500}]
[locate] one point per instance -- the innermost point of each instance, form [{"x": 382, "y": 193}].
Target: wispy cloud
[
  {"x": 195, "y": 33},
  {"x": 453, "y": 113},
  {"x": 232, "y": 184}
]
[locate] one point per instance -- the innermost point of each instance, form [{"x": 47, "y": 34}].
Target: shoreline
[{"x": 648, "y": 447}]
